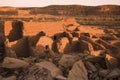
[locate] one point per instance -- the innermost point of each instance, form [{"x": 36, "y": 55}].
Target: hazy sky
[{"x": 39, "y": 3}]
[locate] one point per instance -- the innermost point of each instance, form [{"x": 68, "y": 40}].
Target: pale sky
[{"x": 41, "y": 3}]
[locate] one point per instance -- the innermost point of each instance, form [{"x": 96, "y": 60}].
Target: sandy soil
[{"x": 32, "y": 28}]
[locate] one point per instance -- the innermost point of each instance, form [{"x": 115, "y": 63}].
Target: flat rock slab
[{"x": 13, "y": 63}]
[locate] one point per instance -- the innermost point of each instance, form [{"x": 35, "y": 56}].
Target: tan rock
[
  {"x": 51, "y": 67},
  {"x": 10, "y": 78},
  {"x": 34, "y": 72},
  {"x": 112, "y": 62},
  {"x": 68, "y": 60},
  {"x": 60, "y": 77},
  {"x": 21, "y": 47},
  {"x": 78, "y": 72},
  {"x": 44, "y": 40},
  {"x": 84, "y": 45},
  {"x": 13, "y": 63},
  {"x": 73, "y": 47}
]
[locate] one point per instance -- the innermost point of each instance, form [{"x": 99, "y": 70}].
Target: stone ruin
[{"x": 26, "y": 58}]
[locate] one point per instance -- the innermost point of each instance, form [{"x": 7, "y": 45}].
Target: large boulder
[
  {"x": 78, "y": 72},
  {"x": 13, "y": 63},
  {"x": 44, "y": 40},
  {"x": 21, "y": 47},
  {"x": 112, "y": 62},
  {"x": 86, "y": 34},
  {"x": 10, "y": 78},
  {"x": 108, "y": 37},
  {"x": 73, "y": 47},
  {"x": 103, "y": 73},
  {"x": 63, "y": 43},
  {"x": 35, "y": 38},
  {"x": 115, "y": 73},
  {"x": 35, "y": 72},
  {"x": 90, "y": 66},
  {"x": 50, "y": 67},
  {"x": 67, "y": 61},
  {"x": 43, "y": 52},
  {"x": 85, "y": 46}
]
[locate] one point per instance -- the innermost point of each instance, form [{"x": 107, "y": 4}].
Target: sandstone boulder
[
  {"x": 68, "y": 60},
  {"x": 44, "y": 40},
  {"x": 50, "y": 67},
  {"x": 21, "y": 47},
  {"x": 85, "y": 46},
  {"x": 13, "y": 63},
  {"x": 34, "y": 72},
  {"x": 78, "y": 72}
]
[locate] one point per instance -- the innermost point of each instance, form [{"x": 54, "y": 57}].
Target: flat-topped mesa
[{"x": 17, "y": 31}]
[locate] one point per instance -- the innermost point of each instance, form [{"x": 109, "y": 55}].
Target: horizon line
[{"x": 66, "y": 5}]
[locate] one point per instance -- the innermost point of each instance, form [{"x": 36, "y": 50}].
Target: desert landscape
[{"x": 60, "y": 42}]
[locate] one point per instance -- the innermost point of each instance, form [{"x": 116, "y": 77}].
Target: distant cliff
[{"x": 67, "y": 10}]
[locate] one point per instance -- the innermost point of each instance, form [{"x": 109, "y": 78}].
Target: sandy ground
[{"x": 32, "y": 28}]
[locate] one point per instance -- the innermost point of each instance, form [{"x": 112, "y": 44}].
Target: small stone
[{"x": 59, "y": 77}]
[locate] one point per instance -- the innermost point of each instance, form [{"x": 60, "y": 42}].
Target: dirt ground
[{"x": 50, "y": 28}]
